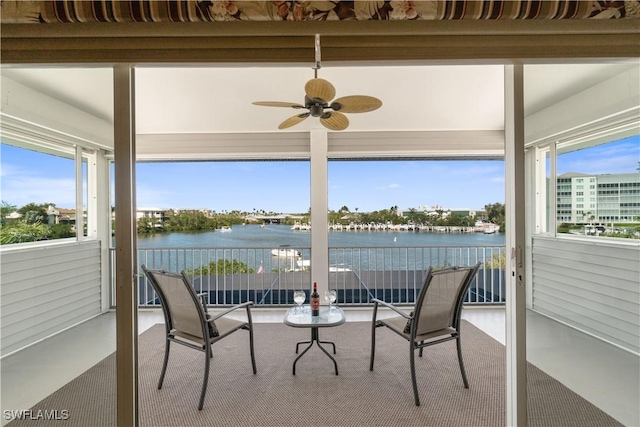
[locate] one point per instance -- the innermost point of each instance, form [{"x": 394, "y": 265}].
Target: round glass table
[{"x": 300, "y": 317}]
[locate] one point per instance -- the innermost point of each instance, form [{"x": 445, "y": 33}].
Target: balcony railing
[{"x": 268, "y": 276}]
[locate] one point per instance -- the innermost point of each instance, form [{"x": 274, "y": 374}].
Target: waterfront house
[{"x": 547, "y": 78}]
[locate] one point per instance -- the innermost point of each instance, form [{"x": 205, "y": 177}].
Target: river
[{"x": 274, "y": 235}]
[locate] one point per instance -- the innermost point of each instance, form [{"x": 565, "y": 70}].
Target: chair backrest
[
  {"x": 439, "y": 303},
  {"x": 182, "y": 310}
]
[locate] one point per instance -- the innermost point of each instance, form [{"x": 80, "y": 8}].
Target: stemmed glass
[
  {"x": 330, "y": 295},
  {"x": 299, "y": 297}
]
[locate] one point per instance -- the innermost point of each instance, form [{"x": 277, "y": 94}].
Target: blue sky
[{"x": 284, "y": 186}]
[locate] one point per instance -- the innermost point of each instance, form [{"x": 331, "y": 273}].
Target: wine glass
[
  {"x": 330, "y": 295},
  {"x": 299, "y": 297}
]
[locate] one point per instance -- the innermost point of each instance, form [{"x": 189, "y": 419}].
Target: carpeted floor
[{"x": 316, "y": 396}]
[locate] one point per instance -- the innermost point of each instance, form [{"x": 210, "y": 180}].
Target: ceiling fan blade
[
  {"x": 335, "y": 121},
  {"x": 320, "y": 88},
  {"x": 278, "y": 104},
  {"x": 356, "y": 104},
  {"x": 293, "y": 120}
]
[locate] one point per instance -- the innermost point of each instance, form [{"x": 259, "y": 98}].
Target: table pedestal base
[{"x": 314, "y": 339}]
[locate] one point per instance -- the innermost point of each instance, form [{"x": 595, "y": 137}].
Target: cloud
[
  {"x": 20, "y": 190},
  {"x": 151, "y": 197},
  {"x": 9, "y": 170},
  {"x": 621, "y": 157}
]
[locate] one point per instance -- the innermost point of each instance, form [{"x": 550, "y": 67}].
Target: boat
[
  {"x": 224, "y": 229},
  {"x": 486, "y": 227},
  {"x": 305, "y": 264},
  {"x": 285, "y": 252},
  {"x": 301, "y": 227}
]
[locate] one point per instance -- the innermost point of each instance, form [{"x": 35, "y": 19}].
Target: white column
[
  {"x": 79, "y": 195},
  {"x": 126, "y": 242},
  {"x": 553, "y": 191},
  {"x": 102, "y": 219},
  {"x": 515, "y": 245},
  {"x": 319, "y": 209}
]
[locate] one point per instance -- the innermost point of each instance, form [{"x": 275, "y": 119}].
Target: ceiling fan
[{"x": 319, "y": 94}]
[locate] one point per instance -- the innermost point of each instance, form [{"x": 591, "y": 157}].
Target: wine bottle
[{"x": 315, "y": 301}]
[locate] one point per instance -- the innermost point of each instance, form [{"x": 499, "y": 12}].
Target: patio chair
[
  {"x": 435, "y": 317},
  {"x": 188, "y": 323}
]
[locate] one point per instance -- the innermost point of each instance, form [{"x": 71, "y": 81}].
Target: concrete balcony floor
[{"x": 584, "y": 364}]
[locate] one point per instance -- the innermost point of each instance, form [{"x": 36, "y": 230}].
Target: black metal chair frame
[
  {"x": 413, "y": 344},
  {"x": 200, "y": 304}
]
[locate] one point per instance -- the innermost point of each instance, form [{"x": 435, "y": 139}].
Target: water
[
  {"x": 274, "y": 235},
  {"x": 356, "y": 250},
  {"x": 361, "y": 260}
]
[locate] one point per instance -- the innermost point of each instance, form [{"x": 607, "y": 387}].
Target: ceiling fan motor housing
[{"x": 316, "y": 107}]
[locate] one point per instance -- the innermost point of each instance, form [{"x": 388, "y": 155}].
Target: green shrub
[
  {"x": 497, "y": 261},
  {"x": 222, "y": 266},
  {"x": 61, "y": 231},
  {"x": 21, "y": 232}
]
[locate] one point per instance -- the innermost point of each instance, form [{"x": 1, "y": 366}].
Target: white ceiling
[
  {"x": 209, "y": 99},
  {"x": 175, "y": 100}
]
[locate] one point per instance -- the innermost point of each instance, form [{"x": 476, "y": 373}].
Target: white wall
[
  {"x": 46, "y": 289},
  {"x": 591, "y": 285}
]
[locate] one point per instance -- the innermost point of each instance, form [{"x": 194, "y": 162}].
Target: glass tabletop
[{"x": 302, "y": 318}]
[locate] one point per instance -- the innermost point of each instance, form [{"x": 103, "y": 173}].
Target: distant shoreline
[{"x": 485, "y": 228}]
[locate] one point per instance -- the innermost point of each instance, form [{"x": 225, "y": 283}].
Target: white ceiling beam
[{"x": 296, "y": 145}]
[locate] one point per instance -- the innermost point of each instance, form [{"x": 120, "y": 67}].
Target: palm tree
[{"x": 6, "y": 209}]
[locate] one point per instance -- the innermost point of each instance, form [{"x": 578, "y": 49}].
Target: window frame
[
  {"x": 79, "y": 154},
  {"x": 606, "y": 131}
]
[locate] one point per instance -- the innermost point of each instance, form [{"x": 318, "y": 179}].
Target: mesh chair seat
[
  {"x": 397, "y": 325},
  {"x": 435, "y": 318},
  {"x": 188, "y": 323},
  {"x": 225, "y": 327}
]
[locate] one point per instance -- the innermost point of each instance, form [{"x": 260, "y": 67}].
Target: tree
[
  {"x": 589, "y": 216},
  {"x": 6, "y": 209},
  {"x": 495, "y": 214},
  {"x": 34, "y": 213}
]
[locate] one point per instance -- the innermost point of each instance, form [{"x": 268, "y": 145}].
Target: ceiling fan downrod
[{"x": 317, "y": 48}]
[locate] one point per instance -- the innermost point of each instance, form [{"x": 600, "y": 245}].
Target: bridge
[{"x": 272, "y": 219}]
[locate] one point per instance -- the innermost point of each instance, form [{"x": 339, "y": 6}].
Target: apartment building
[{"x": 598, "y": 198}]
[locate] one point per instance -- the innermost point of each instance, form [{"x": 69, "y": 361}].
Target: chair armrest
[
  {"x": 204, "y": 299},
  {"x": 235, "y": 307},
  {"x": 397, "y": 310}
]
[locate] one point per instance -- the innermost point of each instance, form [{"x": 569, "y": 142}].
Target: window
[
  {"x": 39, "y": 192},
  {"x": 614, "y": 203}
]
